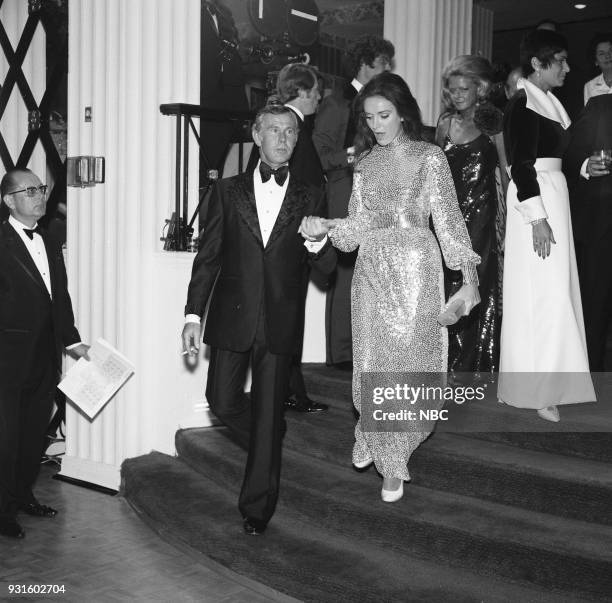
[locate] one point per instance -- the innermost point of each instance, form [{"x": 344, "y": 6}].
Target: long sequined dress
[
  {"x": 398, "y": 284},
  {"x": 473, "y": 343}
]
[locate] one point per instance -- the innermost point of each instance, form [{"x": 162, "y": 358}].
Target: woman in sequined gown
[
  {"x": 473, "y": 344},
  {"x": 398, "y": 286}
]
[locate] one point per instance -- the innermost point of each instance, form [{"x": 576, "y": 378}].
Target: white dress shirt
[
  {"x": 595, "y": 87},
  {"x": 268, "y": 199},
  {"x": 36, "y": 249}
]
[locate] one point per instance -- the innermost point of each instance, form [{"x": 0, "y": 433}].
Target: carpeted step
[
  {"x": 445, "y": 528},
  {"x": 584, "y": 431},
  {"x": 567, "y": 486},
  {"x": 300, "y": 559},
  {"x": 590, "y": 445}
]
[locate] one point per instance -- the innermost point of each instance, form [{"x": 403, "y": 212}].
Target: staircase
[{"x": 488, "y": 516}]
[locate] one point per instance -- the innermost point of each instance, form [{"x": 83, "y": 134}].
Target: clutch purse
[{"x": 452, "y": 313}]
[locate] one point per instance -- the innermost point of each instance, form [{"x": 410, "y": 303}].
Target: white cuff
[
  {"x": 531, "y": 209},
  {"x": 74, "y": 345},
  {"x": 583, "y": 169},
  {"x": 315, "y": 246},
  {"x": 192, "y": 318}
]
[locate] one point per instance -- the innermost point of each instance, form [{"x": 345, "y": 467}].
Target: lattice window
[{"x": 33, "y": 68}]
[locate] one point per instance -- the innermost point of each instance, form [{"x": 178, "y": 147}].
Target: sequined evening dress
[
  {"x": 473, "y": 343},
  {"x": 398, "y": 284}
]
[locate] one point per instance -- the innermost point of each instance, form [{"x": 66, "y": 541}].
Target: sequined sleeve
[
  {"x": 348, "y": 233},
  {"x": 448, "y": 222}
]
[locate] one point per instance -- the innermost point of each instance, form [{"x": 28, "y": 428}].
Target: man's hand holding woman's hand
[{"x": 314, "y": 228}]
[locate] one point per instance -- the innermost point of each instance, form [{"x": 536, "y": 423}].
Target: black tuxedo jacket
[
  {"x": 25, "y": 307},
  {"x": 591, "y": 200},
  {"x": 248, "y": 275},
  {"x": 305, "y": 164},
  {"x": 334, "y": 131}
]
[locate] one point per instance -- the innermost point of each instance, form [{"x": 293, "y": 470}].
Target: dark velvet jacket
[
  {"x": 248, "y": 275},
  {"x": 527, "y": 136}
]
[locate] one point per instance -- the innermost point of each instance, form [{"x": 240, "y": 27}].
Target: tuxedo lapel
[
  {"x": 242, "y": 195},
  {"x": 53, "y": 264},
  {"x": 19, "y": 252},
  {"x": 291, "y": 207}
]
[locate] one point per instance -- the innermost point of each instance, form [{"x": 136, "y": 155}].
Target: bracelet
[{"x": 537, "y": 221}]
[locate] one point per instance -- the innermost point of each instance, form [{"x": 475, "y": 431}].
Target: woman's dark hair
[
  {"x": 542, "y": 44},
  {"x": 392, "y": 87},
  {"x": 595, "y": 41}
]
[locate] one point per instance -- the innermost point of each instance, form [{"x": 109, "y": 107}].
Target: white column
[
  {"x": 426, "y": 35},
  {"x": 482, "y": 32},
  {"x": 125, "y": 59},
  {"x": 14, "y": 122}
]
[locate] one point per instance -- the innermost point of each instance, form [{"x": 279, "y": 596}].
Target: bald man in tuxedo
[{"x": 36, "y": 325}]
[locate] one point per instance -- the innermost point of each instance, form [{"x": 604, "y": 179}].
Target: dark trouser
[
  {"x": 25, "y": 410},
  {"x": 258, "y": 424},
  {"x": 596, "y": 292},
  {"x": 338, "y": 330}
]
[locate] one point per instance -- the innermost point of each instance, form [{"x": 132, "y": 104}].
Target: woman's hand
[
  {"x": 542, "y": 238},
  {"x": 469, "y": 295}
]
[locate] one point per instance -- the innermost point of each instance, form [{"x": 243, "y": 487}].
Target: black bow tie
[
  {"x": 280, "y": 173},
  {"x": 30, "y": 232}
]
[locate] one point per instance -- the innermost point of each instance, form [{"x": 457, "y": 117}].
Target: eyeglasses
[{"x": 32, "y": 191}]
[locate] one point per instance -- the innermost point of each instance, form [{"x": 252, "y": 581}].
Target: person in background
[
  {"x": 543, "y": 361},
  {"x": 511, "y": 81},
  {"x": 466, "y": 132},
  {"x": 251, "y": 266},
  {"x": 36, "y": 325},
  {"x": 333, "y": 136},
  {"x": 588, "y": 165},
  {"x": 397, "y": 294},
  {"x": 600, "y": 52},
  {"x": 297, "y": 87}
]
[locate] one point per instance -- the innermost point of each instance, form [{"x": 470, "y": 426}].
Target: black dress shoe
[
  {"x": 253, "y": 527},
  {"x": 38, "y": 510},
  {"x": 343, "y": 366},
  {"x": 10, "y": 527},
  {"x": 304, "y": 405}
]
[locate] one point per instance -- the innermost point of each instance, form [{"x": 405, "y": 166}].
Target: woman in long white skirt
[{"x": 543, "y": 359}]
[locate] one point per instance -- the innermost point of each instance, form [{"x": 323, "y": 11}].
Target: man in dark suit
[
  {"x": 252, "y": 249},
  {"x": 333, "y": 136},
  {"x": 297, "y": 87},
  {"x": 589, "y": 181},
  {"x": 36, "y": 324}
]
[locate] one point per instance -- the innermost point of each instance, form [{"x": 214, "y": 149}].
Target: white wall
[{"x": 125, "y": 59}]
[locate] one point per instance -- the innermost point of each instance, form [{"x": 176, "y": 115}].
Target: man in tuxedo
[
  {"x": 36, "y": 324},
  {"x": 589, "y": 181},
  {"x": 252, "y": 249},
  {"x": 297, "y": 87},
  {"x": 333, "y": 136}
]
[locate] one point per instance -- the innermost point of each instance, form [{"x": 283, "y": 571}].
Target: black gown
[{"x": 473, "y": 342}]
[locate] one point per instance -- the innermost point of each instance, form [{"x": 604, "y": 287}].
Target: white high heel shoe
[
  {"x": 392, "y": 495},
  {"x": 550, "y": 413}
]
